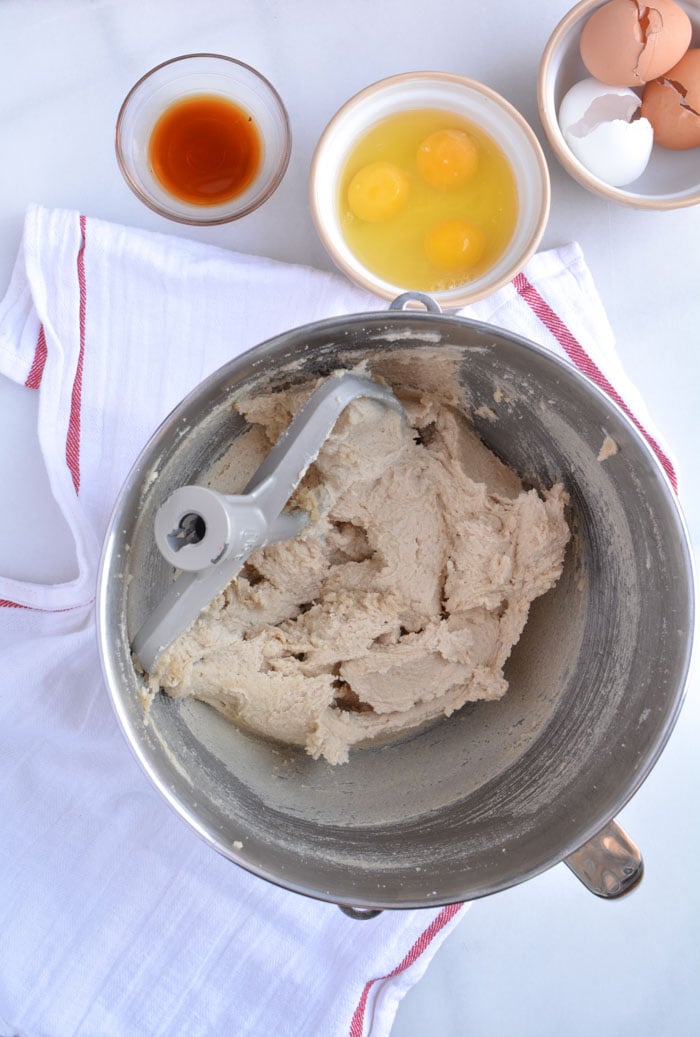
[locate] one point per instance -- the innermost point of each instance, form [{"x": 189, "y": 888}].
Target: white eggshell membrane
[{"x": 594, "y": 119}]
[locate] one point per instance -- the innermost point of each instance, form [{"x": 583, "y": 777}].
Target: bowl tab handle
[{"x": 609, "y": 864}]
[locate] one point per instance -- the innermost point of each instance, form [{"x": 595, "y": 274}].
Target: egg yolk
[
  {"x": 454, "y": 244},
  {"x": 378, "y": 191},
  {"x": 447, "y": 158}
]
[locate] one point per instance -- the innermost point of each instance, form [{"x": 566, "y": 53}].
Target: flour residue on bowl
[
  {"x": 608, "y": 449},
  {"x": 402, "y": 599}
]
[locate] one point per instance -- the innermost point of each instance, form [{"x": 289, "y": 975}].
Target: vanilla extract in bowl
[
  {"x": 205, "y": 149},
  {"x": 203, "y": 139}
]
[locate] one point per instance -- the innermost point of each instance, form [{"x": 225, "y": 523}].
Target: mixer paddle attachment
[{"x": 209, "y": 535}]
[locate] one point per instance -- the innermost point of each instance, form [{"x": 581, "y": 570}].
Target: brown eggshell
[
  {"x": 625, "y": 43},
  {"x": 672, "y": 104}
]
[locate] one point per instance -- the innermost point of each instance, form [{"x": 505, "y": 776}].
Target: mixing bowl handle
[
  {"x": 609, "y": 864},
  {"x": 403, "y": 302}
]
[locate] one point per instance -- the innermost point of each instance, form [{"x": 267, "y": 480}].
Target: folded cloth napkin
[{"x": 115, "y": 918}]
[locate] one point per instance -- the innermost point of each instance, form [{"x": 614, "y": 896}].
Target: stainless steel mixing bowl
[{"x": 502, "y": 790}]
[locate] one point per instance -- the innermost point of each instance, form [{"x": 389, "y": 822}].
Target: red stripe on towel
[
  {"x": 6, "y": 604},
  {"x": 578, "y": 355},
  {"x": 357, "y": 1025},
  {"x": 73, "y": 438},
  {"x": 37, "y": 369},
  {"x": 34, "y": 380}
]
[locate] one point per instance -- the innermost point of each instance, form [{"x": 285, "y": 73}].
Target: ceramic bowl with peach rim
[
  {"x": 671, "y": 180},
  {"x": 469, "y": 101}
]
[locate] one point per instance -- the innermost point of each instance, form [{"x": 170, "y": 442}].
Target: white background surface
[{"x": 547, "y": 957}]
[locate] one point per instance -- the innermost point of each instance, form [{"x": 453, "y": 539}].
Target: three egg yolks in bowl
[{"x": 428, "y": 200}]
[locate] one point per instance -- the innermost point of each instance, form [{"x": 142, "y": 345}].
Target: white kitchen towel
[{"x": 115, "y": 919}]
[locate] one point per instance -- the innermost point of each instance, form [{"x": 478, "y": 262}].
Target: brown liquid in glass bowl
[{"x": 205, "y": 149}]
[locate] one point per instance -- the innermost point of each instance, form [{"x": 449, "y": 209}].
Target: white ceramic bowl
[
  {"x": 465, "y": 98},
  {"x": 672, "y": 178},
  {"x": 194, "y": 74}
]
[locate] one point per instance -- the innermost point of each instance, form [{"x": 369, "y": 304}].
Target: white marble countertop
[{"x": 544, "y": 958}]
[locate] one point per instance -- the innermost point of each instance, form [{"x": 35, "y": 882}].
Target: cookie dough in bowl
[
  {"x": 399, "y": 603},
  {"x": 502, "y": 436}
]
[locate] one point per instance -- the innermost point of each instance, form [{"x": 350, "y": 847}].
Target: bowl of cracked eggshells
[{"x": 619, "y": 100}]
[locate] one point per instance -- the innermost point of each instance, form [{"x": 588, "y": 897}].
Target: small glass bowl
[{"x": 194, "y": 74}]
